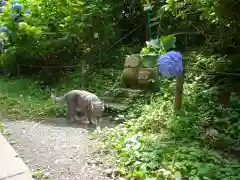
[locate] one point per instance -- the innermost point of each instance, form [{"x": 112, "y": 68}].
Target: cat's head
[{"x": 97, "y": 107}]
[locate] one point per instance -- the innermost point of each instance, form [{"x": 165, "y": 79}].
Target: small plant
[
  {"x": 156, "y": 48},
  {"x": 39, "y": 175}
]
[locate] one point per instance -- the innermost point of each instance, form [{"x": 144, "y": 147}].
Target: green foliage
[
  {"x": 156, "y": 143},
  {"x": 210, "y": 23}
]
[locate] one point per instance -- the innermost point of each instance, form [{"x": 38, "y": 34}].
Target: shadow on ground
[{"x": 62, "y": 122}]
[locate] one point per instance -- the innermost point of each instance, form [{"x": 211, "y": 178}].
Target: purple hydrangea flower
[
  {"x": 3, "y": 3},
  {"x": 170, "y": 64},
  {"x": 28, "y": 11},
  {"x": 1, "y": 10},
  {"x": 17, "y": 6},
  {"x": 4, "y": 29}
]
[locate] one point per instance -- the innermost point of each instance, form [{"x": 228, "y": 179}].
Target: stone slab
[
  {"x": 117, "y": 106},
  {"x": 11, "y": 166}
]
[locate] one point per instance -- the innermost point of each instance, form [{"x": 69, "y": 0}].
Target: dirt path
[{"x": 61, "y": 149}]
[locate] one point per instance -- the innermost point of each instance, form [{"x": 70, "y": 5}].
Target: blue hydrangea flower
[
  {"x": 170, "y": 64},
  {"x": 3, "y": 3},
  {"x": 17, "y": 6},
  {"x": 1, "y": 10},
  {"x": 28, "y": 11},
  {"x": 4, "y": 29}
]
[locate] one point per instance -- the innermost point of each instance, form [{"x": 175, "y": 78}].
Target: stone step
[
  {"x": 123, "y": 94},
  {"x": 117, "y": 106},
  {"x": 11, "y": 166},
  {"x": 114, "y": 99},
  {"x": 130, "y": 93}
]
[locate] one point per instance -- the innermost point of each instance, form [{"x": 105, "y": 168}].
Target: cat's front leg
[
  {"x": 89, "y": 117},
  {"x": 97, "y": 121},
  {"x": 78, "y": 113}
]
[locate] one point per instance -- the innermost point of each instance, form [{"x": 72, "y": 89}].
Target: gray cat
[{"x": 82, "y": 100}]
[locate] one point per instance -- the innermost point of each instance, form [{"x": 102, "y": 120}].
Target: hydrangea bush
[
  {"x": 51, "y": 30},
  {"x": 16, "y": 25}
]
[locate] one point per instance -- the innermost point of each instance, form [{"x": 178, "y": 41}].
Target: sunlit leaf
[
  {"x": 168, "y": 42},
  {"x": 154, "y": 43},
  {"x": 178, "y": 175}
]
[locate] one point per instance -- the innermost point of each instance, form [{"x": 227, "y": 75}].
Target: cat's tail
[{"x": 56, "y": 99}]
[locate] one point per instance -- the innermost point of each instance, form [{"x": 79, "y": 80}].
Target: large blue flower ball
[
  {"x": 1, "y": 10},
  {"x": 17, "y": 6},
  {"x": 170, "y": 64}
]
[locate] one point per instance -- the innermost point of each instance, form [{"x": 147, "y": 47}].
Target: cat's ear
[{"x": 103, "y": 105}]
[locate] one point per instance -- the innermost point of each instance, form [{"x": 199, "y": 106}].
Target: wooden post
[
  {"x": 179, "y": 92},
  {"x": 146, "y": 27},
  {"x": 83, "y": 73},
  {"x": 18, "y": 70},
  {"x": 186, "y": 41},
  {"x": 225, "y": 97},
  {"x": 100, "y": 52},
  {"x": 186, "y": 35}
]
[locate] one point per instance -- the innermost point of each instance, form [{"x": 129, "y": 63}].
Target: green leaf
[
  {"x": 204, "y": 169},
  {"x": 149, "y": 60},
  {"x": 168, "y": 42},
  {"x": 139, "y": 174}
]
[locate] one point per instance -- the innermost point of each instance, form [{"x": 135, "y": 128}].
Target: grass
[{"x": 22, "y": 98}]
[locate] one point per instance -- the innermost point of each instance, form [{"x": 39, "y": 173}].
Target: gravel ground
[{"x": 63, "y": 150}]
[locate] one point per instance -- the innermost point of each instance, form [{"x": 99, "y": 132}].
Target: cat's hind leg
[{"x": 71, "y": 110}]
